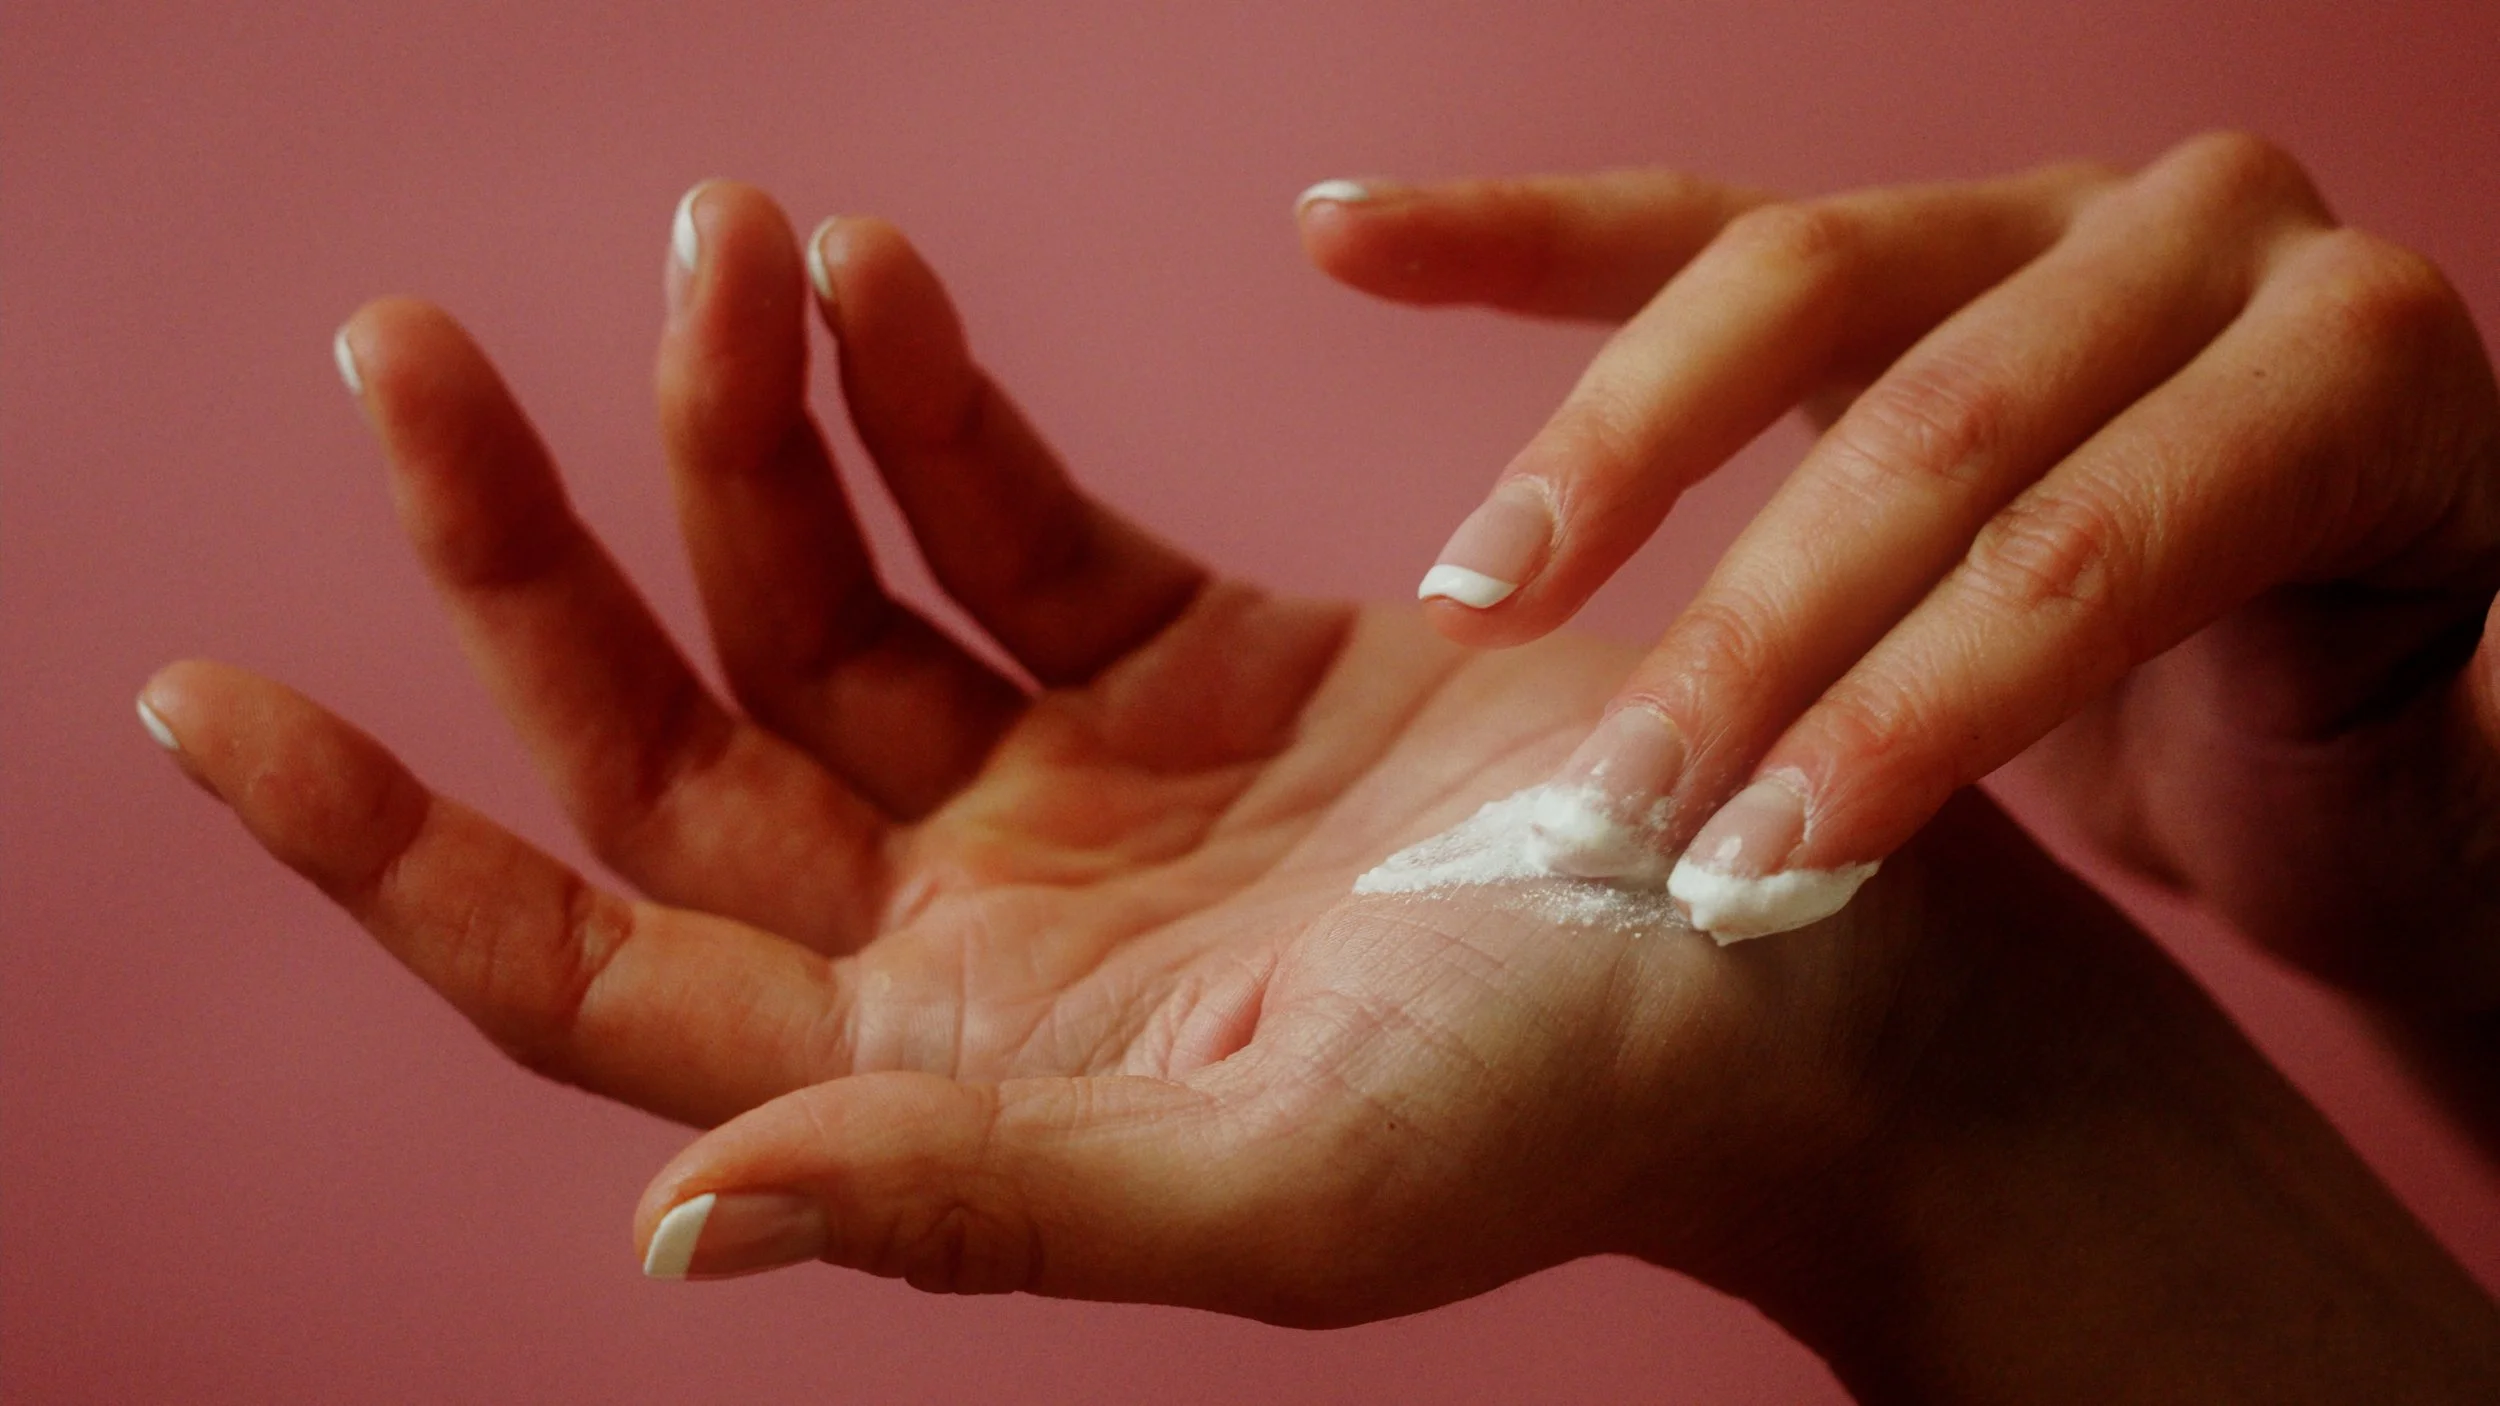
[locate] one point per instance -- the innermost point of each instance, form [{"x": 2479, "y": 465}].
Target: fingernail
[
  {"x": 1340, "y": 192},
  {"x": 719, "y": 1234},
  {"x": 1756, "y": 831},
  {"x": 1493, "y": 552},
  {"x": 345, "y": 356},
  {"x": 1600, "y": 817},
  {"x": 1734, "y": 880},
  {"x": 817, "y": 272},
  {"x": 1631, "y": 758},
  {"x": 683, "y": 239},
  {"x": 156, "y": 728},
  {"x": 1732, "y": 907}
]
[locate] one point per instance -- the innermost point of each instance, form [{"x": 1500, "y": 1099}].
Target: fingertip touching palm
[{"x": 2073, "y": 420}]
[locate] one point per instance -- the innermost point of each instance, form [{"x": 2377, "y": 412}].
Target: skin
[
  {"x": 2167, "y": 462},
  {"x": 1059, "y": 987}
]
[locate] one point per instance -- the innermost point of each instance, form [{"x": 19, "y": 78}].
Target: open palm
[{"x": 1050, "y": 983}]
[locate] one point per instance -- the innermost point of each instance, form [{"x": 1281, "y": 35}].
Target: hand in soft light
[
  {"x": 2169, "y": 453},
  {"x": 1061, "y": 989}
]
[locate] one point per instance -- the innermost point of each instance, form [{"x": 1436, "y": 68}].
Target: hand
[
  {"x": 2075, "y": 420},
  {"x": 1063, "y": 990},
  {"x": 1002, "y": 986}
]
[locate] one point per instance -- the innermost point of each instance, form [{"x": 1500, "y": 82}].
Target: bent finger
[
  {"x": 1888, "y": 501},
  {"x": 1063, "y": 583},
  {"x": 689, "y": 1017},
  {"x": 1592, "y": 246},
  {"x": 690, "y": 803},
  {"x": 2290, "y": 450},
  {"x": 810, "y": 642}
]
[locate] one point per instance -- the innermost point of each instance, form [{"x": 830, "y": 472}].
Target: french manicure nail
[
  {"x": 1754, "y": 833},
  {"x": 817, "y": 273},
  {"x": 1632, "y": 757},
  {"x": 345, "y": 356},
  {"x": 719, "y": 1234},
  {"x": 1341, "y": 192},
  {"x": 1601, "y": 817},
  {"x": 683, "y": 239},
  {"x": 1493, "y": 552},
  {"x": 155, "y": 725},
  {"x": 1734, "y": 879}
]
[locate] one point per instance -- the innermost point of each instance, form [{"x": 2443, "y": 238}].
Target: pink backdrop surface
[{"x": 249, "y": 1159}]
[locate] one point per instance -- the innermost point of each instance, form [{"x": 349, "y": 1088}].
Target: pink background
[{"x": 248, "y": 1159}]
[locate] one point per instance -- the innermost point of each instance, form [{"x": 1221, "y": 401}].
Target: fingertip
[
  {"x": 846, "y": 245},
  {"x": 179, "y": 695},
  {"x": 907, "y": 369},
  {"x": 161, "y": 702},
  {"x": 1336, "y": 192},
  {"x": 395, "y": 349},
  {"x": 1330, "y": 217},
  {"x": 187, "y": 708},
  {"x": 1492, "y": 627},
  {"x": 820, "y": 267}
]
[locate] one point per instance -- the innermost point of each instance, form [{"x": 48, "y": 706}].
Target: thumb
[{"x": 1106, "y": 1188}]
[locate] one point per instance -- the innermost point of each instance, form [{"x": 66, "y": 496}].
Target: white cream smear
[{"x": 1562, "y": 856}]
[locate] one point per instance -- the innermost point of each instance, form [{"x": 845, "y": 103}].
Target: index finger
[
  {"x": 691, "y": 1017},
  {"x": 1593, "y": 246}
]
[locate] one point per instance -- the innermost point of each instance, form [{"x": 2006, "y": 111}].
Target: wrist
[{"x": 2073, "y": 1179}]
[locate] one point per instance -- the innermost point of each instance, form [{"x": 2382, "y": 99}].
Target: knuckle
[
  {"x": 1866, "y": 720},
  {"x": 2241, "y": 170},
  {"x": 957, "y": 1247},
  {"x": 2049, "y": 551},
  {"x": 2084, "y": 172},
  {"x": 1817, "y": 239},
  {"x": 1718, "y": 651},
  {"x": 2379, "y": 295},
  {"x": 531, "y": 1005},
  {"x": 2238, "y": 181},
  {"x": 1600, "y": 434},
  {"x": 1937, "y": 416}
]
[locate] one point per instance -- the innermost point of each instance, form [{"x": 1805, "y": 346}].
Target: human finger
[
  {"x": 1888, "y": 500},
  {"x": 810, "y": 643},
  {"x": 1592, "y": 246},
  {"x": 1063, "y": 583},
  {"x": 1101, "y": 1187},
  {"x": 692, "y": 804},
  {"x": 690, "y": 1017},
  {"x": 2291, "y": 449},
  {"x": 1786, "y": 298}
]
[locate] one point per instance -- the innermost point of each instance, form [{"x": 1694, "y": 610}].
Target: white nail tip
[
  {"x": 1733, "y": 907},
  {"x": 1343, "y": 192},
  {"x": 682, "y": 238},
  {"x": 672, "y": 1245},
  {"x": 156, "y": 728},
  {"x": 817, "y": 273},
  {"x": 1468, "y": 588},
  {"x": 345, "y": 355}
]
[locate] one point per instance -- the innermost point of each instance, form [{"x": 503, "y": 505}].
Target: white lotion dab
[
  {"x": 1562, "y": 856},
  {"x": 1733, "y": 907},
  {"x": 1526, "y": 841}
]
